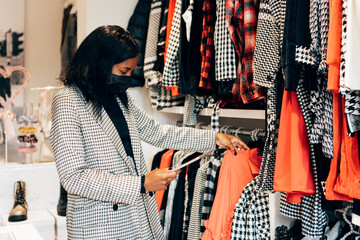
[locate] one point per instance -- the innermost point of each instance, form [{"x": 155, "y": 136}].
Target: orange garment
[
  {"x": 235, "y": 173},
  {"x": 343, "y": 182},
  {"x": 334, "y": 44},
  {"x": 174, "y": 90},
  {"x": 293, "y": 173},
  {"x": 164, "y": 163}
]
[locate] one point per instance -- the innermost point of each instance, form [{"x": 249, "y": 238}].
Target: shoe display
[
  {"x": 19, "y": 210},
  {"x": 61, "y": 207}
]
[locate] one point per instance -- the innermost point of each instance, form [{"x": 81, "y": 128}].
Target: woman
[{"x": 96, "y": 137}]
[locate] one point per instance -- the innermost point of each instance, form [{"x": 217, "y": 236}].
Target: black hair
[{"x": 91, "y": 66}]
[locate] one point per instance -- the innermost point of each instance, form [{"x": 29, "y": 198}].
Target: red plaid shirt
[
  {"x": 207, "y": 42},
  {"x": 241, "y": 16}
]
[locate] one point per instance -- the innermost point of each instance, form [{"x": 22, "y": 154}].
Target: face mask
[{"x": 119, "y": 84}]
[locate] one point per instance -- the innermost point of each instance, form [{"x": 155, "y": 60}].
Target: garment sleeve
[
  {"x": 169, "y": 136},
  {"x": 75, "y": 175}
]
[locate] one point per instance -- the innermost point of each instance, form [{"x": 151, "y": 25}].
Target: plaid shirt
[
  {"x": 241, "y": 16},
  {"x": 207, "y": 42}
]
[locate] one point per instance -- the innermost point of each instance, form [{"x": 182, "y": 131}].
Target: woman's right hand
[{"x": 158, "y": 179}]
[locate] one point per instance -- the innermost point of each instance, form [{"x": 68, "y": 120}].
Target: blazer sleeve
[
  {"x": 169, "y": 136},
  {"x": 75, "y": 175}
]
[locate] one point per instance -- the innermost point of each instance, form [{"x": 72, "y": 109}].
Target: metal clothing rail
[{"x": 253, "y": 133}]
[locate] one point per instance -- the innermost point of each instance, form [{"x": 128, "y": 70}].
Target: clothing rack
[{"x": 258, "y": 133}]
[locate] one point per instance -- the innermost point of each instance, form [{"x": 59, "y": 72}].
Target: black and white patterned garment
[
  {"x": 274, "y": 99},
  {"x": 225, "y": 62},
  {"x": 343, "y": 88},
  {"x": 197, "y": 203},
  {"x": 150, "y": 74},
  {"x": 215, "y": 124},
  {"x": 251, "y": 216},
  {"x": 190, "y": 117},
  {"x": 209, "y": 193},
  {"x": 161, "y": 98},
  {"x": 269, "y": 36},
  {"x": 312, "y": 216},
  {"x": 352, "y": 110},
  {"x": 171, "y": 73}
]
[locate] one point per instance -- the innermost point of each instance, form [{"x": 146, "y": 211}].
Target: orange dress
[
  {"x": 235, "y": 173},
  {"x": 334, "y": 44},
  {"x": 293, "y": 173},
  {"x": 343, "y": 182},
  {"x": 164, "y": 163}
]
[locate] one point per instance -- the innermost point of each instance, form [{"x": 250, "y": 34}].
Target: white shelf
[{"x": 229, "y": 113}]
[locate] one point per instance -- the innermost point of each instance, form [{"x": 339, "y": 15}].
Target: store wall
[{"x": 43, "y": 20}]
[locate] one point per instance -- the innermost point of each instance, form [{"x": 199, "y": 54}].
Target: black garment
[
  {"x": 138, "y": 26},
  {"x": 189, "y": 52},
  {"x": 116, "y": 115},
  {"x": 160, "y": 51},
  {"x": 157, "y": 159},
  {"x": 178, "y": 205}
]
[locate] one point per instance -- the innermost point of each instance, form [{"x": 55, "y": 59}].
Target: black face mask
[{"x": 119, "y": 84}]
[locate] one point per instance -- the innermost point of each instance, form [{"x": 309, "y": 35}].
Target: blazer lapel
[{"x": 105, "y": 122}]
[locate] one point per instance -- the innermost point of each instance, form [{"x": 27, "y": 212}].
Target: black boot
[
  {"x": 61, "y": 207},
  {"x": 19, "y": 211}
]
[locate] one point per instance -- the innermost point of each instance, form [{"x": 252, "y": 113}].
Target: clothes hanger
[{"x": 352, "y": 230}]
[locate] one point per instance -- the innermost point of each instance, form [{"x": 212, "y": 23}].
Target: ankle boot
[
  {"x": 19, "y": 211},
  {"x": 61, "y": 207}
]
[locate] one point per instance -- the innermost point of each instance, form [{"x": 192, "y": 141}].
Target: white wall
[{"x": 43, "y": 20}]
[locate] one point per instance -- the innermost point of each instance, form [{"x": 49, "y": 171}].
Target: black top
[{"x": 116, "y": 115}]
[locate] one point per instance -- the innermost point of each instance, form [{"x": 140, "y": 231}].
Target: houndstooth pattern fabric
[
  {"x": 209, "y": 193},
  {"x": 343, "y": 88},
  {"x": 312, "y": 216},
  {"x": 251, "y": 215},
  {"x": 171, "y": 69},
  {"x": 225, "y": 62},
  {"x": 271, "y": 22},
  {"x": 274, "y": 99},
  {"x": 82, "y": 136},
  {"x": 321, "y": 105},
  {"x": 150, "y": 74},
  {"x": 197, "y": 205},
  {"x": 324, "y": 30},
  {"x": 161, "y": 98},
  {"x": 302, "y": 55},
  {"x": 314, "y": 25},
  {"x": 352, "y": 109}
]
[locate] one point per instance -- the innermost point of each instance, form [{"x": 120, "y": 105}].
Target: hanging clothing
[
  {"x": 240, "y": 169},
  {"x": 352, "y": 58},
  {"x": 212, "y": 177},
  {"x": 241, "y": 17},
  {"x": 166, "y": 160},
  {"x": 207, "y": 43},
  {"x": 199, "y": 190},
  {"x": 161, "y": 98},
  {"x": 293, "y": 173},
  {"x": 225, "y": 64},
  {"x": 334, "y": 44},
  {"x": 138, "y": 26},
  {"x": 352, "y": 110},
  {"x": 151, "y": 75},
  {"x": 251, "y": 219},
  {"x": 274, "y": 98},
  {"x": 343, "y": 88},
  {"x": 269, "y": 37}
]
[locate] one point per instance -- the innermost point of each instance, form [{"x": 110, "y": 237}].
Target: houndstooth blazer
[{"x": 103, "y": 183}]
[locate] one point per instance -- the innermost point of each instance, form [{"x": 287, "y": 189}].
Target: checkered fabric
[
  {"x": 241, "y": 17},
  {"x": 207, "y": 42},
  {"x": 190, "y": 116},
  {"x": 197, "y": 202},
  {"x": 274, "y": 99},
  {"x": 225, "y": 62},
  {"x": 209, "y": 193},
  {"x": 171, "y": 73},
  {"x": 97, "y": 173},
  {"x": 251, "y": 216},
  {"x": 151, "y": 75},
  {"x": 312, "y": 216},
  {"x": 271, "y": 22},
  {"x": 215, "y": 125},
  {"x": 161, "y": 98},
  {"x": 343, "y": 88}
]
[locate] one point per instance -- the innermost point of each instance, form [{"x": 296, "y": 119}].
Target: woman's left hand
[{"x": 230, "y": 142}]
